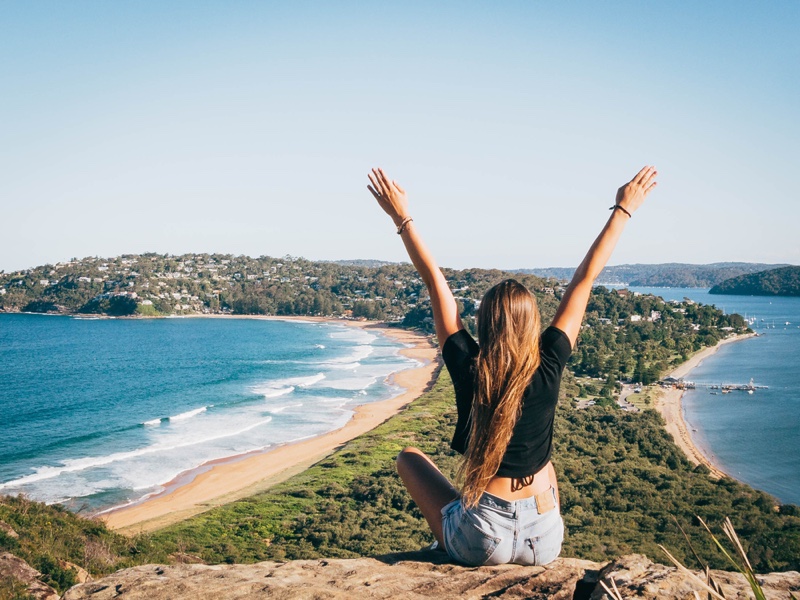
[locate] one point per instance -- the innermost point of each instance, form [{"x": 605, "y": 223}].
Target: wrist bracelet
[
  {"x": 402, "y": 227},
  {"x": 622, "y": 209}
]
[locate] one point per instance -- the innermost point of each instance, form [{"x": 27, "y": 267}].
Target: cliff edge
[{"x": 414, "y": 575}]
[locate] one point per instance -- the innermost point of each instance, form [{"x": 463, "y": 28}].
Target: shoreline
[
  {"x": 670, "y": 405},
  {"x": 231, "y": 478}
]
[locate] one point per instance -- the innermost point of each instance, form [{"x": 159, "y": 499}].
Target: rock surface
[
  {"x": 636, "y": 576},
  {"x": 16, "y": 569},
  {"x": 410, "y": 576},
  {"x": 8, "y": 530},
  {"x": 81, "y": 574}
]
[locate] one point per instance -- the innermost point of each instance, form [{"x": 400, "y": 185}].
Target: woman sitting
[{"x": 506, "y": 388}]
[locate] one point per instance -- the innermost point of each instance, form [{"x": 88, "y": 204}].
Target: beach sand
[
  {"x": 229, "y": 479},
  {"x": 669, "y": 404}
]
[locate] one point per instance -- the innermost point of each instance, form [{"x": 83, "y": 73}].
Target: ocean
[
  {"x": 99, "y": 413},
  {"x": 754, "y": 438}
]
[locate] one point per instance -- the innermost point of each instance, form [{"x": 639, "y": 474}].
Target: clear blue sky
[{"x": 249, "y": 127}]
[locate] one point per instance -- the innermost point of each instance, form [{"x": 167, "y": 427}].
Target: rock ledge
[{"x": 413, "y": 575}]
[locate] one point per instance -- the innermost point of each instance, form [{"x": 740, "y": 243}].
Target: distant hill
[
  {"x": 784, "y": 281},
  {"x": 663, "y": 275},
  {"x": 363, "y": 262},
  {"x": 154, "y": 285}
]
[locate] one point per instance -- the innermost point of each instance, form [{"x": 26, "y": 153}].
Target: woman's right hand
[
  {"x": 390, "y": 196},
  {"x": 631, "y": 195}
]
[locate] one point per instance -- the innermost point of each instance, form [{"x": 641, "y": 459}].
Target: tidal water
[
  {"x": 98, "y": 413},
  {"x": 753, "y": 437}
]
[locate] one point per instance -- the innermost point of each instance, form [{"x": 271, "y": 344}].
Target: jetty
[{"x": 683, "y": 384}]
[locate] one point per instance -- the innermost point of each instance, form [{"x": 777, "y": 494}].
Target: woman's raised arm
[
  {"x": 392, "y": 199},
  {"x": 573, "y": 305}
]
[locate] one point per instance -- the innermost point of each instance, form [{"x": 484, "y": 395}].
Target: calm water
[
  {"x": 98, "y": 413},
  {"x": 755, "y": 438}
]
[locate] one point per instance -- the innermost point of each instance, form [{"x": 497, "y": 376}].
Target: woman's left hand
[
  {"x": 631, "y": 195},
  {"x": 390, "y": 196}
]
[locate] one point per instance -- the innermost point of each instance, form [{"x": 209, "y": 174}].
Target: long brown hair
[{"x": 508, "y": 335}]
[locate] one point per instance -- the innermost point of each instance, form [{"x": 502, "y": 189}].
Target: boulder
[
  {"x": 8, "y": 530},
  {"x": 81, "y": 574},
  {"x": 16, "y": 569}
]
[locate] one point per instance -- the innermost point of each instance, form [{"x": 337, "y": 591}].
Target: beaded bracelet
[{"x": 402, "y": 227}]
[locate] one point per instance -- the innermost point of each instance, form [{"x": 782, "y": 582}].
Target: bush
[{"x": 54, "y": 575}]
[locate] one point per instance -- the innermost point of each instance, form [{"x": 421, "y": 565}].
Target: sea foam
[
  {"x": 280, "y": 409},
  {"x": 275, "y": 392},
  {"x": 281, "y": 387},
  {"x": 188, "y": 414},
  {"x": 81, "y": 464}
]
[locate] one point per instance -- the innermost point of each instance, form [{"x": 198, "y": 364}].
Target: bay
[
  {"x": 754, "y": 438},
  {"x": 101, "y": 412}
]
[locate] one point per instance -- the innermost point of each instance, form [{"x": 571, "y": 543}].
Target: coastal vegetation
[
  {"x": 155, "y": 284},
  {"x": 775, "y": 282},
  {"x": 662, "y": 275},
  {"x": 162, "y": 284},
  {"x": 625, "y": 487},
  {"x": 623, "y": 484},
  {"x": 638, "y": 337}
]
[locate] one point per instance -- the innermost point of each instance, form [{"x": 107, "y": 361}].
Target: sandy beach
[
  {"x": 671, "y": 408},
  {"x": 229, "y": 479}
]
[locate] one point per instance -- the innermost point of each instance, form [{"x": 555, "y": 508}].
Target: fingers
[
  {"x": 381, "y": 184},
  {"x": 384, "y": 180},
  {"x": 648, "y": 177},
  {"x": 645, "y": 173},
  {"x": 638, "y": 177},
  {"x": 374, "y": 193},
  {"x": 648, "y": 182},
  {"x": 376, "y": 185}
]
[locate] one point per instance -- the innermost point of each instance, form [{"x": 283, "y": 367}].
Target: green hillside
[
  {"x": 775, "y": 282},
  {"x": 662, "y": 275}
]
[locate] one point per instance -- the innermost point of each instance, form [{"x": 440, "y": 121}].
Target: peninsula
[{"x": 784, "y": 281}]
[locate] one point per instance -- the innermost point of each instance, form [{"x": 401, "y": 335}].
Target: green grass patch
[{"x": 622, "y": 479}]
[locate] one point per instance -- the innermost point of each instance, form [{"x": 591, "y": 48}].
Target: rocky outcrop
[
  {"x": 81, "y": 574},
  {"x": 8, "y": 530},
  {"x": 15, "y": 569},
  {"x": 411, "y": 576},
  {"x": 636, "y": 576}
]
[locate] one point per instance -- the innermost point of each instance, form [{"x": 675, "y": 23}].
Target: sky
[{"x": 249, "y": 128}]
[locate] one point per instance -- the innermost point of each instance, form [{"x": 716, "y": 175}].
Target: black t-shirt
[{"x": 532, "y": 441}]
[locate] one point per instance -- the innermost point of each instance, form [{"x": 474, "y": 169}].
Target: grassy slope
[{"x": 622, "y": 480}]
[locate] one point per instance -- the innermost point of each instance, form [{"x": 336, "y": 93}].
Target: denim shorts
[{"x": 499, "y": 531}]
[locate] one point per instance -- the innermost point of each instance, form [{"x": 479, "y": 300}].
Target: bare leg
[{"x": 428, "y": 487}]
